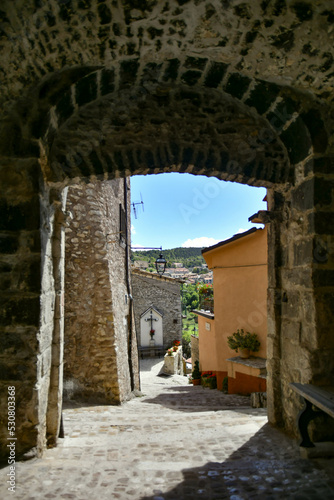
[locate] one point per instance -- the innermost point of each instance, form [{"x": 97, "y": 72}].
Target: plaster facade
[
  {"x": 91, "y": 90},
  {"x": 240, "y": 283}
]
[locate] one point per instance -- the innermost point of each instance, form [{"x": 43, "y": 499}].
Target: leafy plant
[
  {"x": 196, "y": 374},
  {"x": 205, "y": 289},
  {"x": 241, "y": 340}
]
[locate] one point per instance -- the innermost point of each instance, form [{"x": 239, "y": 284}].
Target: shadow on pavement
[
  {"x": 189, "y": 398},
  {"x": 268, "y": 466},
  {"x": 149, "y": 364}
]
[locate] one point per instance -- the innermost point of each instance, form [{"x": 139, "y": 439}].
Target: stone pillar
[
  {"x": 26, "y": 306},
  {"x": 300, "y": 293},
  {"x": 274, "y": 300},
  {"x": 56, "y": 376},
  {"x": 100, "y": 359},
  {"x": 194, "y": 349}
]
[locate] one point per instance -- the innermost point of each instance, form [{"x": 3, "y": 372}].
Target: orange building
[{"x": 240, "y": 285}]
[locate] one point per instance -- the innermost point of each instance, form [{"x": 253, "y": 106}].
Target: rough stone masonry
[
  {"x": 98, "y": 327},
  {"x": 94, "y": 91}
]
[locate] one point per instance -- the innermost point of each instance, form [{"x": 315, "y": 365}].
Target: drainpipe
[{"x": 128, "y": 285}]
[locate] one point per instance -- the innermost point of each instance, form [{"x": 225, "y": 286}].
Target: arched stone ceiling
[
  {"x": 192, "y": 129},
  {"x": 288, "y": 42}
]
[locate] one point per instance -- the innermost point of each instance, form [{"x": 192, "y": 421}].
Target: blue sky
[{"x": 183, "y": 210}]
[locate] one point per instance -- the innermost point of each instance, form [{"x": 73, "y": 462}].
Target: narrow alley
[{"x": 174, "y": 441}]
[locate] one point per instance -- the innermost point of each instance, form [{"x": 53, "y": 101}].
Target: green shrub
[
  {"x": 242, "y": 340},
  {"x": 196, "y": 374}
]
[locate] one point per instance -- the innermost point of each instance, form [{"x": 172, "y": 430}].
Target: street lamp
[{"x": 160, "y": 265}]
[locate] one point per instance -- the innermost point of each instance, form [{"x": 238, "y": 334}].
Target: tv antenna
[{"x": 135, "y": 203}]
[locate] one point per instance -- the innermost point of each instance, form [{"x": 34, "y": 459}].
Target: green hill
[{"x": 190, "y": 257}]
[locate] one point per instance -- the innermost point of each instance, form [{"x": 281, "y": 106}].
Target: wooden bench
[
  {"x": 320, "y": 397},
  {"x": 150, "y": 351}
]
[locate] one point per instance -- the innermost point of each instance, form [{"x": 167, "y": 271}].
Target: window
[{"x": 122, "y": 225}]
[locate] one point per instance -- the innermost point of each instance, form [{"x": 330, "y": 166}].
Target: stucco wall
[
  {"x": 162, "y": 293},
  {"x": 240, "y": 292},
  {"x": 207, "y": 344}
]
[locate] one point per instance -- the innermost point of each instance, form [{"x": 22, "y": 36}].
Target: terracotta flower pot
[
  {"x": 244, "y": 353},
  {"x": 196, "y": 381}
]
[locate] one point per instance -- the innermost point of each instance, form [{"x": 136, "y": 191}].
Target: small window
[{"x": 122, "y": 225}]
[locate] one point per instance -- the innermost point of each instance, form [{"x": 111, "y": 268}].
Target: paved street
[{"x": 174, "y": 442}]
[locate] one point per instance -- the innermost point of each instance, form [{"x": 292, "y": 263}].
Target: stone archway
[{"x": 145, "y": 91}]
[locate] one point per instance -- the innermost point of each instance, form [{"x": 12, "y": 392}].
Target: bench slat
[{"x": 321, "y": 397}]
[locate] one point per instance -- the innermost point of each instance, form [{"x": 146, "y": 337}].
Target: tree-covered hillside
[{"x": 190, "y": 257}]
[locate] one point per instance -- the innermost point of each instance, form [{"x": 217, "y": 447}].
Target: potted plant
[
  {"x": 243, "y": 342},
  {"x": 170, "y": 352},
  {"x": 152, "y": 332},
  {"x": 176, "y": 344},
  {"x": 196, "y": 374}
]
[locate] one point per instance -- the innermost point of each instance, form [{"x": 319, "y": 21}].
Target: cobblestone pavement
[{"x": 175, "y": 442}]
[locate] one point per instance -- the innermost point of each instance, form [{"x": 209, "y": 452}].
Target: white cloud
[
  {"x": 203, "y": 241},
  {"x": 241, "y": 231},
  {"x": 133, "y": 231}
]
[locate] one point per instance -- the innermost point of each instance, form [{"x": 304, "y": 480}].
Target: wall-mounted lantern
[{"x": 160, "y": 265}]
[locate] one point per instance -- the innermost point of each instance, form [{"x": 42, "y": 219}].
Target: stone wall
[
  {"x": 100, "y": 90},
  {"x": 98, "y": 312},
  {"x": 163, "y": 294},
  {"x": 194, "y": 349}
]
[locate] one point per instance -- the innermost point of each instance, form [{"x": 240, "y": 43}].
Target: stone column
[{"x": 26, "y": 309}]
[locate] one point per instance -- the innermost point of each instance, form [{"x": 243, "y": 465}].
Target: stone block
[
  {"x": 237, "y": 85},
  {"x": 107, "y": 84},
  {"x": 303, "y": 253},
  {"x": 104, "y": 14},
  {"x": 9, "y": 243},
  {"x": 20, "y": 342},
  {"x": 128, "y": 72},
  {"x": 64, "y": 108},
  {"x": 20, "y": 216},
  {"x": 259, "y": 400},
  {"x": 191, "y": 77},
  {"x": 262, "y": 96},
  {"x": 215, "y": 74},
  {"x": 321, "y": 222},
  {"x": 195, "y": 62},
  {"x": 86, "y": 89},
  {"x": 172, "y": 70},
  {"x": 302, "y": 198},
  {"x": 291, "y": 330},
  {"x": 20, "y": 310},
  {"x": 323, "y": 165},
  {"x": 282, "y": 113},
  {"x": 297, "y": 141},
  {"x": 315, "y": 125}
]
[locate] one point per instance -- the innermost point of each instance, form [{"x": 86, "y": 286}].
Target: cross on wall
[{"x": 151, "y": 319}]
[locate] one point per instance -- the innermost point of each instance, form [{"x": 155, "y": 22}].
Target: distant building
[
  {"x": 177, "y": 273},
  {"x": 208, "y": 278},
  {"x": 158, "y": 298},
  {"x": 177, "y": 264},
  {"x": 140, "y": 264}
]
